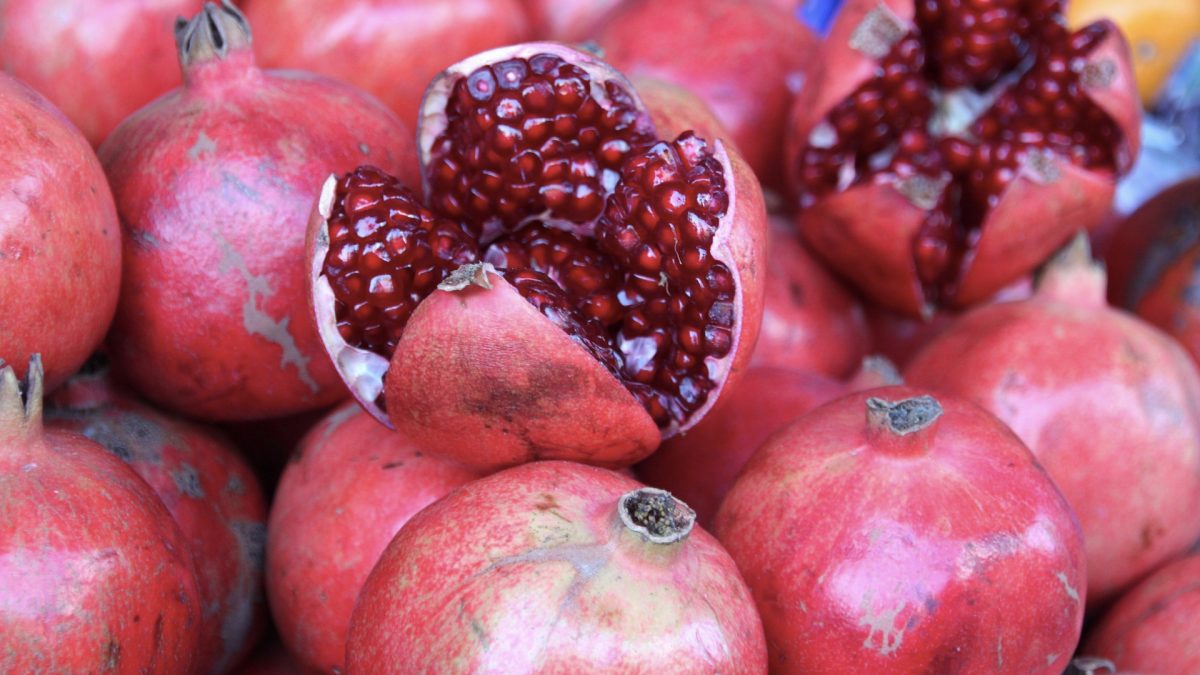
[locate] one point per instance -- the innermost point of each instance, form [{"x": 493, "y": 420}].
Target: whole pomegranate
[
  {"x": 576, "y": 287},
  {"x": 349, "y": 488},
  {"x": 94, "y": 573},
  {"x": 213, "y": 183},
  {"x": 700, "y": 467},
  {"x": 741, "y": 57},
  {"x": 60, "y": 241},
  {"x": 80, "y": 54},
  {"x": 811, "y": 321},
  {"x": 1152, "y": 263},
  {"x": 1108, "y": 404},
  {"x": 210, "y": 491},
  {"x": 947, "y": 148},
  {"x": 391, "y": 48},
  {"x": 1152, "y": 628},
  {"x": 555, "y": 567},
  {"x": 891, "y": 531},
  {"x": 568, "y": 20}
]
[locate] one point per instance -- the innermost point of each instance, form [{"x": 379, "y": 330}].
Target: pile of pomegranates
[{"x": 458, "y": 336}]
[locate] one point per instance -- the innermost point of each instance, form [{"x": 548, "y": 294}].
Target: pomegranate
[
  {"x": 1152, "y": 628},
  {"x": 210, "y": 491},
  {"x": 701, "y": 466},
  {"x": 811, "y": 321},
  {"x": 56, "y": 215},
  {"x": 1152, "y": 262},
  {"x": 889, "y": 531},
  {"x": 644, "y": 255},
  {"x": 349, "y": 488},
  {"x": 1108, "y": 404},
  {"x": 80, "y": 54},
  {"x": 555, "y": 567},
  {"x": 568, "y": 20},
  {"x": 740, "y": 56},
  {"x": 391, "y": 48},
  {"x": 947, "y": 148},
  {"x": 97, "y": 577},
  {"x": 213, "y": 183}
]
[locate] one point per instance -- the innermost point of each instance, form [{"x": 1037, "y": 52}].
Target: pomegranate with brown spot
[
  {"x": 1108, "y": 404},
  {"x": 555, "y": 567},
  {"x": 576, "y": 288},
  {"x": 949, "y": 147},
  {"x": 214, "y": 182},
  {"x": 892, "y": 531}
]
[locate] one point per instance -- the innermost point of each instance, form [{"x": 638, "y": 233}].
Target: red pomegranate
[
  {"x": 889, "y": 531},
  {"x": 1152, "y": 261},
  {"x": 701, "y": 466},
  {"x": 213, "y": 183},
  {"x": 811, "y": 321},
  {"x": 391, "y": 48},
  {"x": 611, "y": 278},
  {"x": 56, "y": 215},
  {"x": 349, "y": 488},
  {"x": 568, "y": 20},
  {"x": 742, "y": 57},
  {"x": 80, "y": 54},
  {"x": 555, "y": 567},
  {"x": 96, "y": 577},
  {"x": 947, "y": 148},
  {"x": 1152, "y": 628},
  {"x": 1108, "y": 404},
  {"x": 210, "y": 491}
]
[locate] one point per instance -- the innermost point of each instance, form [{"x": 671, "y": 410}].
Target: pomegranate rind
[
  {"x": 1109, "y": 82},
  {"x": 675, "y": 109},
  {"x": 482, "y": 377}
]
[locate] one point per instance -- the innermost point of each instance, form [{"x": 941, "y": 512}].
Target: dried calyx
[
  {"x": 21, "y": 402},
  {"x": 656, "y": 515},
  {"x": 213, "y": 33},
  {"x": 551, "y": 173}
]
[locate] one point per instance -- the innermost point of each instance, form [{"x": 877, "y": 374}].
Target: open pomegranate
[
  {"x": 95, "y": 576},
  {"x": 1153, "y": 261},
  {"x": 349, "y": 488},
  {"x": 60, "y": 240},
  {"x": 891, "y": 531},
  {"x": 80, "y": 54},
  {"x": 947, "y": 148},
  {"x": 214, "y": 182},
  {"x": 1152, "y": 628},
  {"x": 208, "y": 488},
  {"x": 555, "y": 567},
  {"x": 575, "y": 288},
  {"x": 1108, "y": 404}
]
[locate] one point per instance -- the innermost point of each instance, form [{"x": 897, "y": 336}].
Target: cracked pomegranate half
[
  {"x": 948, "y": 148},
  {"x": 572, "y": 286}
]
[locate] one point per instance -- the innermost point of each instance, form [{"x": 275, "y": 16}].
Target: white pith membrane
[{"x": 364, "y": 370}]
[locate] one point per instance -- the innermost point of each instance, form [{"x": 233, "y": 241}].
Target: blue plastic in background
[{"x": 818, "y": 14}]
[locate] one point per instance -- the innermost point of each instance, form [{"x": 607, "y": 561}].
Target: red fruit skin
[
  {"x": 1152, "y": 628},
  {"x": 60, "y": 241},
  {"x": 97, "y": 577},
  {"x": 568, "y": 20},
  {"x": 80, "y": 54},
  {"x": 214, "y": 183},
  {"x": 1152, "y": 259},
  {"x": 741, "y": 58},
  {"x": 699, "y": 467},
  {"x": 530, "y": 570},
  {"x": 866, "y": 232},
  {"x": 391, "y": 48},
  {"x": 843, "y": 536},
  {"x": 1108, "y": 404},
  {"x": 811, "y": 321},
  {"x": 349, "y": 488},
  {"x": 675, "y": 109},
  {"x": 210, "y": 492}
]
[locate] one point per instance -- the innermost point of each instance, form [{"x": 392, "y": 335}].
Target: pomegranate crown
[
  {"x": 21, "y": 406},
  {"x": 213, "y": 33}
]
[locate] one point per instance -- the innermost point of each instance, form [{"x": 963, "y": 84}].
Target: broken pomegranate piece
[{"x": 951, "y": 147}]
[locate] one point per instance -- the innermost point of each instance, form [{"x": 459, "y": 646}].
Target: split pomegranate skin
[{"x": 568, "y": 287}]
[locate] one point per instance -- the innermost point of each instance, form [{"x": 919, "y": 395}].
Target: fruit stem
[
  {"x": 656, "y": 515},
  {"x": 1072, "y": 276},
  {"x": 215, "y": 34},
  {"x": 900, "y": 427},
  {"x": 20, "y": 411}
]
